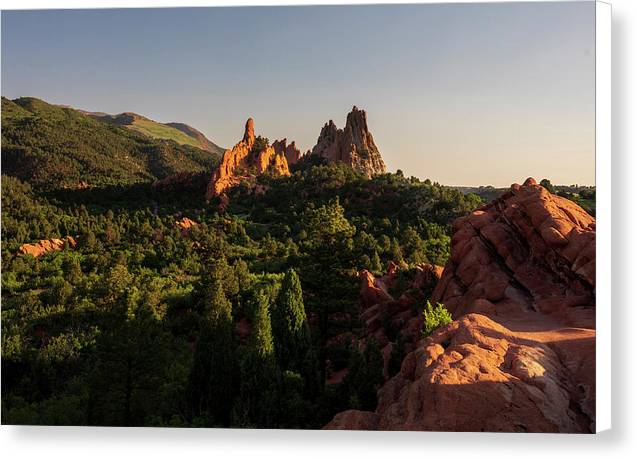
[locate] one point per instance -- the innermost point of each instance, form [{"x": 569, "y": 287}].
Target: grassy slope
[
  {"x": 52, "y": 146},
  {"x": 161, "y": 131},
  {"x": 177, "y": 132},
  {"x": 201, "y": 139}
]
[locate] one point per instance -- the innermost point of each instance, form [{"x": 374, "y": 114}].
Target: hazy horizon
[{"x": 465, "y": 94}]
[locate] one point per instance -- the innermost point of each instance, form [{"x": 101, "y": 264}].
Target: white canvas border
[{"x": 603, "y": 13}]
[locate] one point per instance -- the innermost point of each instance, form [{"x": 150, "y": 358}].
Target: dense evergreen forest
[{"x": 224, "y": 323}]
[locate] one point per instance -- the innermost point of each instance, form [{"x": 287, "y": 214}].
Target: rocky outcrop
[
  {"x": 81, "y": 185},
  {"x": 185, "y": 224},
  {"x": 520, "y": 356},
  {"x": 47, "y": 245},
  {"x": 529, "y": 250},
  {"x": 476, "y": 375},
  {"x": 291, "y": 152},
  {"x": 387, "y": 317},
  {"x": 353, "y": 145},
  {"x": 245, "y": 161}
]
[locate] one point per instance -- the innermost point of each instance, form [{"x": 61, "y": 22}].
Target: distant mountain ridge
[
  {"x": 51, "y": 147},
  {"x": 179, "y": 132}
]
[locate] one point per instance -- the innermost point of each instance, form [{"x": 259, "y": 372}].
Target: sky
[{"x": 464, "y": 94}]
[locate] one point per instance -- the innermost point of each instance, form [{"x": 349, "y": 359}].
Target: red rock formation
[
  {"x": 382, "y": 313},
  {"x": 373, "y": 291},
  {"x": 47, "y": 245},
  {"x": 291, "y": 152},
  {"x": 386, "y": 318},
  {"x": 243, "y": 162},
  {"x": 185, "y": 224},
  {"x": 527, "y": 250},
  {"x": 353, "y": 145},
  {"x": 520, "y": 356}
]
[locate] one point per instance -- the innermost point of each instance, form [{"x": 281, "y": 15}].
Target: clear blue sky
[{"x": 462, "y": 94}]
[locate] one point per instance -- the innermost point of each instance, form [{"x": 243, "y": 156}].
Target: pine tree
[
  {"x": 211, "y": 386},
  {"x": 325, "y": 269},
  {"x": 131, "y": 361},
  {"x": 365, "y": 376},
  {"x": 376, "y": 266},
  {"x": 257, "y": 401},
  {"x": 262, "y": 342},
  {"x": 289, "y": 323},
  {"x": 395, "y": 252}
]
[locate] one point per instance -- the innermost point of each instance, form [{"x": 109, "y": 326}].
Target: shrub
[{"x": 435, "y": 317}]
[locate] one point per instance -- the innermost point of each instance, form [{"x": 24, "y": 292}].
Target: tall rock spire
[
  {"x": 248, "y": 134},
  {"x": 354, "y": 145}
]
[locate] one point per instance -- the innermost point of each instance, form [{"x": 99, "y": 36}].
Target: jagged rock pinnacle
[
  {"x": 353, "y": 145},
  {"x": 248, "y": 134}
]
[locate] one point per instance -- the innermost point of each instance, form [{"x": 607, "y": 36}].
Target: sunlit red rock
[
  {"x": 291, "y": 152},
  {"x": 243, "y": 162},
  {"x": 185, "y": 224},
  {"x": 520, "y": 356},
  {"x": 47, "y": 245}
]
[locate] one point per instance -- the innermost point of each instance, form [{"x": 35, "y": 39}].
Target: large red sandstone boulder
[
  {"x": 47, "y": 245},
  {"x": 373, "y": 291},
  {"x": 520, "y": 356},
  {"x": 476, "y": 375},
  {"x": 380, "y": 309}
]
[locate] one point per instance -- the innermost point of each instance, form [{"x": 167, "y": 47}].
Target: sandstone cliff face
[
  {"x": 244, "y": 161},
  {"x": 291, "y": 152},
  {"x": 520, "y": 356},
  {"x": 353, "y": 145},
  {"x": 47, "y": 245}
]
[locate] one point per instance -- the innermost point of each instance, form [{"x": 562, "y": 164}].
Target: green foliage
[
  {"x": 211, "y": 383},
  {"x": 365, "y": 377},
  {"x": 434, "y": 317},
  {"x": 262, "y": 342},
  {"x": 131, "y": 360},
  {"x": 546, "y": 183},
  {"x": 289, "y": 323}
]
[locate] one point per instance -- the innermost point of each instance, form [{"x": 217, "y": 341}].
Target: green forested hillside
[
  {"x": 52, "y": 147},
  {"x": 229, "y": 324}
]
